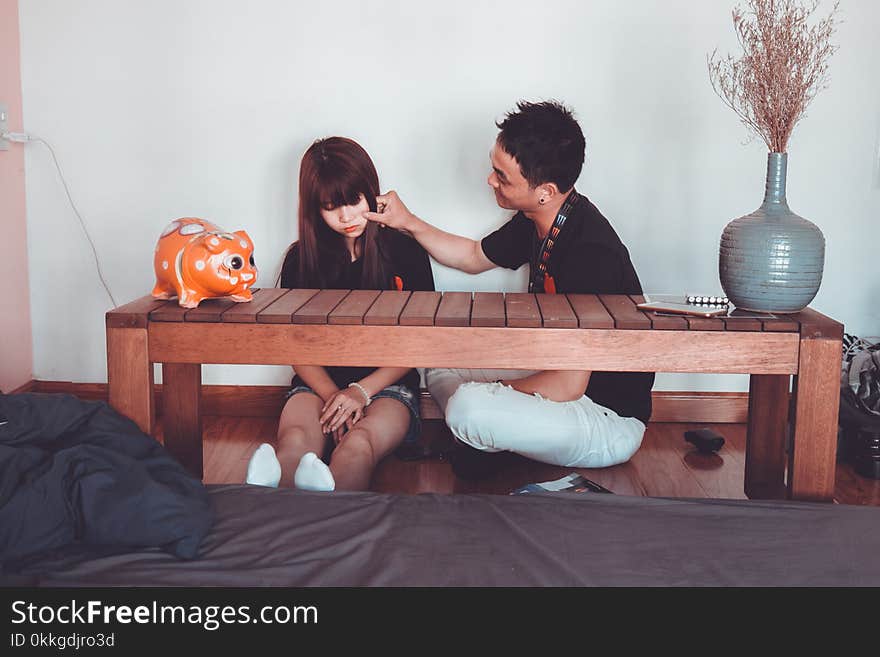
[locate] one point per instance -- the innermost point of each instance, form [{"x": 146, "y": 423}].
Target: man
[{"x": 569, "y": 418}]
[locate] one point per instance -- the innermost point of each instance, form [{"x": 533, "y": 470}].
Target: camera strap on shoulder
[{"x": 540, "y": 279}]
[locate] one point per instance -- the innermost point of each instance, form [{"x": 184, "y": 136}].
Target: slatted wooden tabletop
[
  {"x": 491, "y": 329},
  {"x": 480, "y": 309}
]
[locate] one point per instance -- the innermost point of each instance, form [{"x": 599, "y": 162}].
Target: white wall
[{"x": 168, "y": 108}]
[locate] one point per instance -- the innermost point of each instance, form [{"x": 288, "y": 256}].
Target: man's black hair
[{"x": 546, "y": 141}]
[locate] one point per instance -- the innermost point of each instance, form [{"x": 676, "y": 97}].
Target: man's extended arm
[
  {"x": 454, "y": 251},
  {"x": 467, "y": 255}
]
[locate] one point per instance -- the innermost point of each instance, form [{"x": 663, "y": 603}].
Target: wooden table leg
[
  {"x": 130, "y": 376},
  {"x": 817, "y": 401},
  {"x": 181, "y": 413},
  {"x": 766, "y": 436}
]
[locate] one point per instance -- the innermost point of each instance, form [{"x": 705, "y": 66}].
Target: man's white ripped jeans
[{"x": 493, "y": 417}]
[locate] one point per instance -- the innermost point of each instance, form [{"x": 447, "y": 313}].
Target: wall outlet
[{"x": 4, "y": 126}]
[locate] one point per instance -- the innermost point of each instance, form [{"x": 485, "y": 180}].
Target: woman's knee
[
  {"x": 292, "y": 437},
  {"x": 356, "y": 443}
]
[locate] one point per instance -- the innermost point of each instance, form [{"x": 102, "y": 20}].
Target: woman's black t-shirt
[
  {"x": 588, "y": 258},
  {"x": 409, "y": 262}
]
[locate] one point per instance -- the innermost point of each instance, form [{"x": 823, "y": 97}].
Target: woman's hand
[{"x": 342, "y": 409}]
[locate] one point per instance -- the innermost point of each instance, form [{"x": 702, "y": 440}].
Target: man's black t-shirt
[
  {"x": 587, "y": 258},
  {"x": 409, "y": 262}
]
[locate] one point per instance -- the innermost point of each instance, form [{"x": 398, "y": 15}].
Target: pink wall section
[{"x": 16, "y": 350}]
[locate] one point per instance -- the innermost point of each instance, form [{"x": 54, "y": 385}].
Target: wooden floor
[{"x": 665, "y": 465}]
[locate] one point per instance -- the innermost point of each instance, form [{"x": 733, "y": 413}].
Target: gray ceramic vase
[{"x": 771, "y": 260}]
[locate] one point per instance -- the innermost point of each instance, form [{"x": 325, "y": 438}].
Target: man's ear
[{"x": 548, "y": 192}]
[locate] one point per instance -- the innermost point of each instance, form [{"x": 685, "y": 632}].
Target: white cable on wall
[{"x": 21, "y": 137}]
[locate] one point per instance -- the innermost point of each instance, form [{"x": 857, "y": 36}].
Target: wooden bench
[{"x": 787, "y": 454}]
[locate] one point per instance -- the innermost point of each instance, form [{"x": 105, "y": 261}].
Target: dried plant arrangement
[{"x": 783, "y": 66}]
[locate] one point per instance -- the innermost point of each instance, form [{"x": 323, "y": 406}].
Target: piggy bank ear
[
  {"x": 196, "y": 252},
  {"x": 214, "y": 244},
  {"x": 244, "y": 238}
]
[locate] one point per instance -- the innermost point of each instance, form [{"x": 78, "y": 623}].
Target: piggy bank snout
[
  {"x": 240, "y": 269},
  {"x": 223, "y": 271}
]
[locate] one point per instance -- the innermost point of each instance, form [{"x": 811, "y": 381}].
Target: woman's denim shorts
[{"x": 403, "y": 394}]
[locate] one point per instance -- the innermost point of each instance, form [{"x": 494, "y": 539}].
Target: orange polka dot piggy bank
[{"x": 197, "y": 260}]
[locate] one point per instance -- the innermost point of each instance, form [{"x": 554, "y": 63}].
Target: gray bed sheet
[{"x": 281, "y": 537}]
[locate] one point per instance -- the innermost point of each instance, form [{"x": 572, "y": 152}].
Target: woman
[{"x": 359, "y": 414}]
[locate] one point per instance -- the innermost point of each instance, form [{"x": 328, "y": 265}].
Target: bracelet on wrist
[{"x": 355, "y": 384}]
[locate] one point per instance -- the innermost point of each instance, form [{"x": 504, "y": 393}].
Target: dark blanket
[
  {"x": 283, "y": 537},
  {"x": 76, "y": 475}
]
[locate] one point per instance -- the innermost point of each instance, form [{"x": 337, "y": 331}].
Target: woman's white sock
[
  {"x": 264, "y": 468},
  {"x": 313, "y": 474}
]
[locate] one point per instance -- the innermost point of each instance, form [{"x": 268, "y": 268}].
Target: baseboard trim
[
  {"x": 267, "y": 401},
  {"x": 25, "y": 387},
  {"x": 708, "y": 407}
]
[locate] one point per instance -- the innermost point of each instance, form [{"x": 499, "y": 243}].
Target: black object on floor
[
  {"x": 705, "y": 440},
  {"x": 474, "y": 464}
]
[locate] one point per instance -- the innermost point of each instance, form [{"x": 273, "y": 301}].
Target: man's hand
[
  {"x": 392, "y": 213},
  {"x": 448, "y": 249}
]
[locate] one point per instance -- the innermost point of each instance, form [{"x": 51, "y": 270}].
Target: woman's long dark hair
[{"x": 336, "y": 171}]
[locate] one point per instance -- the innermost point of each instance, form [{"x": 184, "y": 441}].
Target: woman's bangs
[{"x": 340, "y": 188}]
